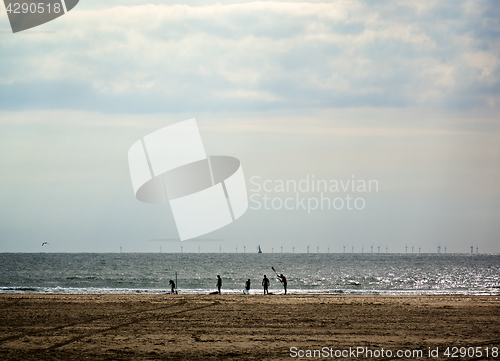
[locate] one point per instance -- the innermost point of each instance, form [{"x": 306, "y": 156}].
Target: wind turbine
[
  {"x": 371, "y": 248},
  {"x": 281, "y": 249},
  {"x": 307, "y": 249},
  {"x": 344, "y": 249},
  {"x": 352, "y": 249},
  {"x": 378, "y": 249}
]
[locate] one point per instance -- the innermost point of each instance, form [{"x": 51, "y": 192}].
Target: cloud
[{"x": 257, "y": 56}]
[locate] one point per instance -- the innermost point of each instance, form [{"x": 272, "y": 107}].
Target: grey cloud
[{"x": 251, "y": 57}]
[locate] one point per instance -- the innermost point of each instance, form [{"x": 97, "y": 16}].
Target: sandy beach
[{"x": 256, "y": 327}]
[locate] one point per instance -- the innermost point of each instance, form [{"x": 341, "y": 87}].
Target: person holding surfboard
[
  {"x": 219, "y": 283},
  {"x": 265, "y": 284},
  {"x": 172, "y": 286}
]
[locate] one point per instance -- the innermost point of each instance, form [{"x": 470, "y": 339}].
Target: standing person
[
  {"x": 265, "y": 284},
  {"x": 283, "y": 280},
  {"x": 219, "y": 283},
  {"x": 172, "y": 286}
]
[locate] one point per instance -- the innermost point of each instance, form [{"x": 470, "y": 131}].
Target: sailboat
[{"x": 260, "y": 251}]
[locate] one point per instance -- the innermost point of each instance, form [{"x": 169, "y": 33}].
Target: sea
[{"x": 310, "y": 273}]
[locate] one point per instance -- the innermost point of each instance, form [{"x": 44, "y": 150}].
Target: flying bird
[{"x": 44, "y": 243}]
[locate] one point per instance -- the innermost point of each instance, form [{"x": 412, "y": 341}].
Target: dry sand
[{"x": 227, "y": 327}]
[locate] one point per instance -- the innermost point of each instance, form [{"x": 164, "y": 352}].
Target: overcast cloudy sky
[{"x": 403, "y": 92}]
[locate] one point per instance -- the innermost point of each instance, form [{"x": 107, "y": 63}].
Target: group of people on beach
[{"x": 265, "y": 284}]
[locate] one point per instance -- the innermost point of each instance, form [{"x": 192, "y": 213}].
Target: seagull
[{"x": 44, "y": 243}]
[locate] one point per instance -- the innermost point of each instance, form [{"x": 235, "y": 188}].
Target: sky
[{"x": 405, "y": 94}]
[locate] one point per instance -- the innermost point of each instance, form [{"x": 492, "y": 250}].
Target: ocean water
[{"x": 196, "y": 273}]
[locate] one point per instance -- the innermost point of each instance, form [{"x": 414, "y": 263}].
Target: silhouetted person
[
  {"x": 247, "y": 284},
  {"x": 172, "y": 286},
  {"x": 265, "y": 284},
  {"x": 219, "y": 283},
  {"x": 283, "y": 280}
]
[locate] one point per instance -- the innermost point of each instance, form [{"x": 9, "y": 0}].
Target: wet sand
[{"x": 227, "y": 327}]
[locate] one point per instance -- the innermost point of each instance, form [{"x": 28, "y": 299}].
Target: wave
[{"x": 96, "y": 290}]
